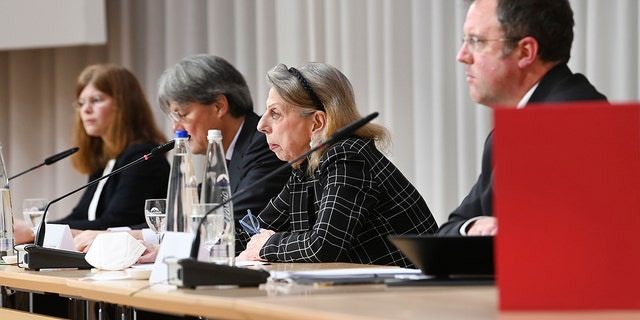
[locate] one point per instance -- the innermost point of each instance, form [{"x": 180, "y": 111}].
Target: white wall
[{"x": 28, "y": 24}]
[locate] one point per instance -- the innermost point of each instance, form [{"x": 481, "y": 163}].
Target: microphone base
[
  {"x": 38, "y": 257},
  {"x": 190, "y": 273}
]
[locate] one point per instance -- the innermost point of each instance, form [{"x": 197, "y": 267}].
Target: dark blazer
[
  {"x": 123, "y": 195},
  {"x": 558, "y": 85},
  {"x": 251, "y": 160},
  {"x": 356, "y": 198}
]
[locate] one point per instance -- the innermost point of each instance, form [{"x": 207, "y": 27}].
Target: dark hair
[
  {"x": 550, "y": 22},
  {"x": 201, "y": 78},
  {"x": 133, "y": 120}
]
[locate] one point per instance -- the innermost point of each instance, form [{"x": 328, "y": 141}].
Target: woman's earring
[{"x": 313, "y": 143}]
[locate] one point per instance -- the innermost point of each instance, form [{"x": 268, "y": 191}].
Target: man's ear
[
  {"x": 527, "y": 51},
  {"x": 221, "y": 106}
]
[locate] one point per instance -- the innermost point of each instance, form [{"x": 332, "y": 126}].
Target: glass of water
[
  {"x": 33, "y": 210},
  {"x": 155, "y": 212},
  {"x": 216, "y": 233}
]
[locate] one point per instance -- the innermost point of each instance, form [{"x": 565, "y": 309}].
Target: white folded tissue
[{"x": 114, "y": 251}]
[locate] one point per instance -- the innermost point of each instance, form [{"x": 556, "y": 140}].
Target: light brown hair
[{"x": 133, "y": 121}]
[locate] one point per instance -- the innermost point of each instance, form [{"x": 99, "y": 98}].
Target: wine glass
[
  {"x": 33, "y": 210},
  {"x": 155, "y": 212}
]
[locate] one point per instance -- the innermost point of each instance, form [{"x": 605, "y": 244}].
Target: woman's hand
[
  {"x": 22, "y": 232},
  {"x": 84, "y": 239},
  {"x": 252, "y": 253},
  {"x": 149, "y": 255}
]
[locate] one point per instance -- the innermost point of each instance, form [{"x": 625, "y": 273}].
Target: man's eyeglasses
[
  {"x": 175, "y": 116},
  {"x": 475, "y": 44}
]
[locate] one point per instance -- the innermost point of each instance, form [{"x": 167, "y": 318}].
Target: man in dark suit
[
  {"x": 515, "y": 54},
  {"x": 204, "y": 92}
]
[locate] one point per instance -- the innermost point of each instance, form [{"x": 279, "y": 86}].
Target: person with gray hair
[
  {"x": 205, "y": 89},
  {"x": 343, "y": 201},
  {"x": 204, "y": 92}
]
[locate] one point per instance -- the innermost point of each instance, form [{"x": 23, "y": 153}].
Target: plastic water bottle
[
  {"x": 183, "y": 185},
  {"x": 216, "y": 189},
  {"x": 6, "y": 219}
]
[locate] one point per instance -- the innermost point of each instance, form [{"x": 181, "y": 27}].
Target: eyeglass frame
[
  {"x": 474, "y": 43},
  {"x": 250, "y": 223},
  {"x": 92, "y": 101},
  {"x": 175, "y": 116},
  {"x": 172, "y": 114}
]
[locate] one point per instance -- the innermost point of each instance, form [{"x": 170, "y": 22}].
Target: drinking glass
[
  {"x": 155, "y": 212},
  {"x": 33, "y": 210},
  {"x": 216, "y": 233},
  {"x": 198, "y": 210}
]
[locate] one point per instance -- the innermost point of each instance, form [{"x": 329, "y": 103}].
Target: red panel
[{"x": 567, "y": 198}]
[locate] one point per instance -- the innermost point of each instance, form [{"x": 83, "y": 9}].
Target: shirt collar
[
  {"x": 232, "y": 146},
  {"x": 527, "y": 96}
]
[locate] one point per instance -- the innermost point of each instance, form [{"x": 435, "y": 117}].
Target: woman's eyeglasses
[
  {"x": 92, "y": 102},
  {"x": 250, "y": 223}
]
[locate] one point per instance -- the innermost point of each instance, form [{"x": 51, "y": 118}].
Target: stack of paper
[{"x": 348, "y": 275}]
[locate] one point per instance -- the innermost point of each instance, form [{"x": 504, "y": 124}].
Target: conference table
[{"x": 285, "y": 300}]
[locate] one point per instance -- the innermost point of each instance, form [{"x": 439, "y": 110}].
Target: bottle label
[
  {"x": 6, "y": 222},
  {"x": 6, "y": 244}
]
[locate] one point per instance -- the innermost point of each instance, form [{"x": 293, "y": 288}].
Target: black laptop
[{"x": 450, "y": 257}]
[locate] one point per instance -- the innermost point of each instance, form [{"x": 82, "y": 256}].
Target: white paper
[
  {"x": 58, "y": 236},
  {"x": 346, "y": 273},
  {"x": 175, "y": 245}
]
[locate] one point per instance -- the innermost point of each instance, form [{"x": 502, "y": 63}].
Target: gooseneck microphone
[
  {"x": 350, "y": 128},
  {"x": 197, "y": 273},
  {"x": 38, "y": 257},
  {"x": 54, "y": 158}
]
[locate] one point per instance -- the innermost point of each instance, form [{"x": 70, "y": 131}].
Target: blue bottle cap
[{"x": 181, "y": 134}]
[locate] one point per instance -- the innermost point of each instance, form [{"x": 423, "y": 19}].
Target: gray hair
[{"x": 201, "y": 78}]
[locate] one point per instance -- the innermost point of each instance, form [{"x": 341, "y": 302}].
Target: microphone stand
[
  {"x": 190, "y": 272},
  {"x": 50, "y": 160},
  {"x": 39, "y": 257}
]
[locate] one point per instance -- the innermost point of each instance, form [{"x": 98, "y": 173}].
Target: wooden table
[
  {"x": 273, "y": 300},
  {"x": 22, "y": 315},
  {"x": 286, "y": 301},
  {"x": 278, "y": 300}
]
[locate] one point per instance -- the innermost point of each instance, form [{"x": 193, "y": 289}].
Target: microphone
[
  {"x": 38, "y": 257},
  {"x": 54, "y": 158},
  {"x": 197, "y": 273}
]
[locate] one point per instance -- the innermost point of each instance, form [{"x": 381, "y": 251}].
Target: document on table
[{"x": 347, "y": 275}]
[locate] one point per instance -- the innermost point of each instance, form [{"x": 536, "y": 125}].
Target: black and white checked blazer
[{"x": 345, "y": 213}]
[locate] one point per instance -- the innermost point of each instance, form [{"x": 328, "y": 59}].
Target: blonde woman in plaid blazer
[{"x": 342, "y": 202}]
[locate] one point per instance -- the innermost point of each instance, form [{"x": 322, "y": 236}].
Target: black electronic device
[
  {"x": 450, "y": 259},
  {"x": 190, "y": 273}
]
